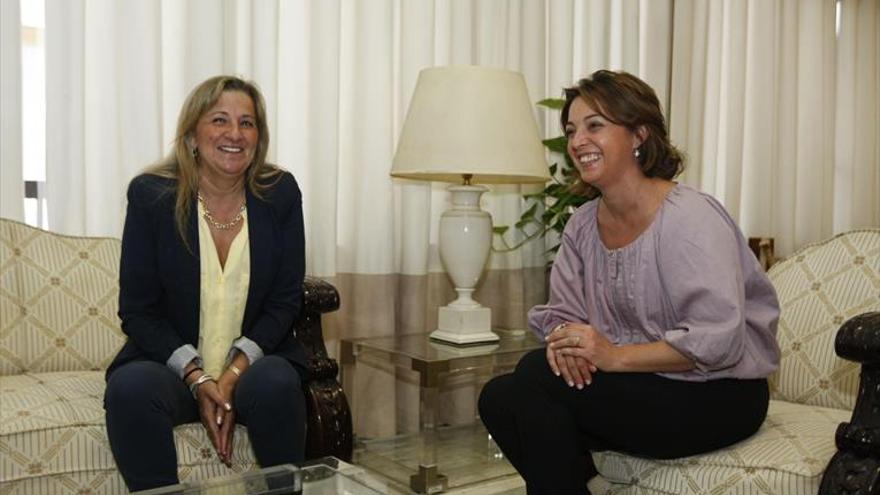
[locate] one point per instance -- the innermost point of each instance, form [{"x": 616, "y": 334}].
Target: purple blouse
[{"x": 689, "y": 279}]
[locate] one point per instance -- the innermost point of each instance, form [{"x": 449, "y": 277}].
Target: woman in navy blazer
[{"x": 158, "y": 380}]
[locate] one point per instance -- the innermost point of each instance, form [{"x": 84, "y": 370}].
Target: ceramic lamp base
[{"x": 464, "y": 325}]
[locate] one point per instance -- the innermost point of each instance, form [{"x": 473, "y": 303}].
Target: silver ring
[{"x": 577, "y": 339}]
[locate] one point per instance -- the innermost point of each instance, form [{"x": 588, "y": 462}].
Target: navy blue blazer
[{"x": 159, "y": 276}]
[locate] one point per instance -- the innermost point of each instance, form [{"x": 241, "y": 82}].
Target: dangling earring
[
  {"x": 195, "y": 153},
  {"x": 637, "y": 153}
]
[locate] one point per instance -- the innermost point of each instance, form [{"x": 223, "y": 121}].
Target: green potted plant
[{"x": 556, "y": 198}]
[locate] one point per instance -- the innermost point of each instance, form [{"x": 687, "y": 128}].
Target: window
[
  {"x": 837, "y": 7},
  {"x": 33, "y": 111}
]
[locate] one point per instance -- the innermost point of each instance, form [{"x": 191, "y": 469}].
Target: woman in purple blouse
[{"x": 661, "y": 326}]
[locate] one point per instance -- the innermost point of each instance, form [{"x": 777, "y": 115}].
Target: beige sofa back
[
  {"x": 58, "y": 301},
  {"x": 820, "y": 287}
]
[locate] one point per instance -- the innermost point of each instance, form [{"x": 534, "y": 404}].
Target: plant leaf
[
  {"x": 552, "y": 103},
  {"x": 522, "y": 223},
  {"x": 557, "y": 144}
]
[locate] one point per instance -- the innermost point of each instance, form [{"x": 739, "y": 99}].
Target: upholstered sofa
[
  {"x": 828, "y": 291},
  {"x": 59, "y": 331}
]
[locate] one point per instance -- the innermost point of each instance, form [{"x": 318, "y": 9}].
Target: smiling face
[
  {"x": 226, "y": 136},
  {"x": 601, "y": 149}
]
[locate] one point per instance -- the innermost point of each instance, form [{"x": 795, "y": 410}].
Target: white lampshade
[
  {"x": 468, "y": 124},
  {"x": 470, "y": 120}
]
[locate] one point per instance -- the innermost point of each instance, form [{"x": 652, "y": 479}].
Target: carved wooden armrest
[
  {"x": 855, "y": 468},
  {"x": 329, "y": 417},
  {"x": 763, "y": 248}
]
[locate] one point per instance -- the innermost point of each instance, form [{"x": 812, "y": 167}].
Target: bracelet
[
  {"x": 194, "y": 387},
  {"x": 190, "y": 372},
  {"x": 235, "y": 369}
]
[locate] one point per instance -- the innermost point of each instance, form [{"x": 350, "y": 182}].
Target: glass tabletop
[
  {"x": 329, "y": 476},
  {"x": 420, "y": 348},
  {"x": 325, "y": 476}
]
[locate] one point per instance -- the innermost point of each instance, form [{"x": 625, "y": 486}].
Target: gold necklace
[{"x": 218, "y": 225}]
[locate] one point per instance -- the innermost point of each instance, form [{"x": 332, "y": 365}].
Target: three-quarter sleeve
[
  {"x": 702, "y": 277},
  {"x": 566, "y": 302}
]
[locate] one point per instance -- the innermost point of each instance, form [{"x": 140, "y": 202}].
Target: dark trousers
[
  {"x": 547, "y": 429},
  {"x": 145, "y": 400}
]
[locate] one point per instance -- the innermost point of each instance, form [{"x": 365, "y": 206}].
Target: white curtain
[
  {"x": 11, "y": 185},
  {"x": 103, "y": 108},
  {"x": 857, "y": 121},
  {"x": 337, "y": 76},
  {"x": 778, "y": 115}
]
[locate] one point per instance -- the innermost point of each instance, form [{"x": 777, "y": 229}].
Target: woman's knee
[
  {"x": 496, "y": 395},
  {"x": 270, "y": 380},
  {"x": 532, "y": 365},
  {"x": 136, "y": 386},
  {"x": 276, "y": 373}
]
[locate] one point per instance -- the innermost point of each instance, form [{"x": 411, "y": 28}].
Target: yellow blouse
[{"x": 223, "y": 294}]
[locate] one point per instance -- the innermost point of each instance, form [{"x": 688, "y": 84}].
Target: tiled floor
[
  {"x": 511, "y": 486},
  {"x": 465, "y": 454}
]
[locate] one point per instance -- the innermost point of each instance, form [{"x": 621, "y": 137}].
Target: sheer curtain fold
[
  {"x": 103, "y": 108},
  {"x": 815, "y": 124},
  {"x": 365, "y": 123},
  {"x": 857, "y": 132},
  {"x": 759, "y": 136},
  {"x": 764, "y": 102},
  {"x": 11, "y": 185}
]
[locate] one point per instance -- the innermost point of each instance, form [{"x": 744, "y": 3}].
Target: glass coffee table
[
  {"x": 437, "y": 458},
  {"x": 325, "y": 476}
]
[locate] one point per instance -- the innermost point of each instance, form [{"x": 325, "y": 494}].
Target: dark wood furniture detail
[
  {"x": 764, "y": 250},
  {"x": 855, "y": 468},
  {"x": 329, "y": 417}
]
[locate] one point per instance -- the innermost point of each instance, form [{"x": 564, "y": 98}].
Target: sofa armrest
[
  {"x": 329, "y": 417},
  {"x": 855, "y": 468}
]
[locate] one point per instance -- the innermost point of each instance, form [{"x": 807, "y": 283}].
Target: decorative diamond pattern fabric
[
  {"x": 58, "y": 301},
  {"x": 819, "y": 288}
]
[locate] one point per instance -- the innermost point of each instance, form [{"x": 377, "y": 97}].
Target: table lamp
[{"x": 468, "y": 125}]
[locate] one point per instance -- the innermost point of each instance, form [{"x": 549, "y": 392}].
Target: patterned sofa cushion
[
  {"x": 820, "y": 287},
  {"x": 787, "y": 455},
  {"x": 53, "y": 440},
  {"x": 58, "y": 301}
]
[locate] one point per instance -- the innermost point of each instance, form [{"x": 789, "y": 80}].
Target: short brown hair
[{"x": 626, "y": 100}]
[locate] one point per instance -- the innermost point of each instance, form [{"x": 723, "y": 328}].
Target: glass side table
[
  {"x": 435, "y": 362},
  {"x": 324, "y": 476}
]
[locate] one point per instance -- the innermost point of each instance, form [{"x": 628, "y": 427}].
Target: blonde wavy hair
[{"x": 181, "y": 164}]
